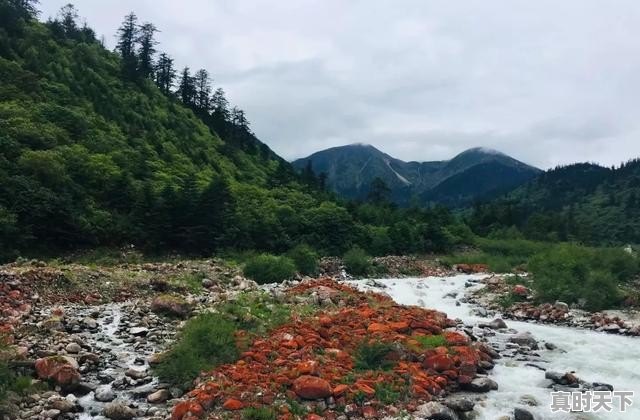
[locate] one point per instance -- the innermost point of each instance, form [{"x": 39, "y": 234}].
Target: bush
[
  {"x": 373, "y": 356},
  {"x": 205, "y": 341},
  {"x": 431, "y": 341},
  {"x": 266, "y": 268},
  {"x": 357, "y": 262},
  {"x": 263, "y": 413},
  {"x": 576, "y": 274},
  {"x": 305, "y": 259}
]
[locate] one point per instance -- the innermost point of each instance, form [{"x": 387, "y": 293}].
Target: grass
[
  {"x": 262, "y": 413},
  {"x": 431, "y": 341},
  {"x": 373, "y": 356},
  {"x": 388, "y": 393}
]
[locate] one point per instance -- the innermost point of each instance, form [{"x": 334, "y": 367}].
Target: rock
[
  {"x": 482, "y": 385},
  {"x": 138, "y": 331},
  {"x": 118, "y": 411},
  {"x": 529, "y": 400},
  {"x": 90, "y": 323},
  {"x": 207, "y": 283},
  {"x": 232, "y": 404},
  {"x": 135, "y": 374},
  {"x": 598, "y": 386},
  {"x": 51, "y": 414},
  {"x": 522, "y": 414},
  {"x": 561, "y": 306},
  {"x": 496, "y": 324},
  {"x": 159, "y": 396},
  {"x": 74, "y": 348},
  {"x": 524, "y": 339},
  {"x": 550, "y": 346},
  {"x": 311, "y": 387},
  {"x": 439, "y": 362},
  {"x": 155, "y": 358},
  {"x": 62, "y": 370},
  {"x": 171, "y": 305},
  {"x": 436, "y": 411},
  {"x": 104, "y": 394},
  {"x": 459, "y": 403},
  {"x": 63, "y": 405},
  {"x": 520, "y": 290}
]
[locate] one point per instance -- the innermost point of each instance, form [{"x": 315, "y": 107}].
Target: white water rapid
[{"x": 594, "y": 356}]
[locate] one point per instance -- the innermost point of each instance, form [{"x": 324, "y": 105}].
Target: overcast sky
[{"x": 545, "y": 81}]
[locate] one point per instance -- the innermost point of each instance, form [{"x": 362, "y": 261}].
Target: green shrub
[
  {"x": 387, "y": 394},
  {"x": 205, "y": 341},
  {"x": 262, "y": 413},
  {"x": 373, "y": 356},
  {"x": 357, "y": 262},
  {"x": 256, "y": 312},
  {"x": 266, "y": 268},
  {"x": 305, "y": 259},
  {"x": 577, "y": 274}
]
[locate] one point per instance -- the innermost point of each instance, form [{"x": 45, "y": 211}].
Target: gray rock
[
  {"x": 550, "y": 346},
  {"x": 159, "y": 396},
  {"x": 207, "y": 283},
  {"x": 524, "y": 339},
  {"x": 482, "y": 385},
  {"x": 522, "y": 414},
  {"x": 138, "y": 331},
  {"x": 51, "y": 414},
  {"x": 136, "y": 374},
  {"x": 561, "y": 306},
  {"x": 435, "y": 411},
  {"x": 459, "y": 403},
  {"x": 74, "y": 348},
  {"x": 496, "y": 324},
  {"x": 118, "y": 411},
  {"x": 529, "y": 400},
  {"x": 63, "y": 405},
  {"x": 104, "y": 394}
]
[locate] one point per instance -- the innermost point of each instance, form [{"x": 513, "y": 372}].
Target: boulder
[
  {"x": 496, "y": 324},
  {"x": 482, "y": 385},
  {"x": 138, "y": 331},
  {"x": 311, "y": 387},
  {"x": 118, "y": 411},
  {"x": 435, "y": 411},
  {"x": 62, "y": 370},
  {"x": 159, "y": 396},
  {"x": 232, "y": 404},
  {"x": 439, "y": 362},
  {"x": 524, "y": 339},
  {"x": 171, "y": 305},
  {"x": 104, "y": 394},
  {"x": 520, "y": 290},
  {"x": 522, "y": 414},
  {"x": 73, "y": 348},
  {"x": 459, "y": 403}
]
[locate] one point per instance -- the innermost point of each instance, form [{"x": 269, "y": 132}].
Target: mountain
[
  {"x": 474, "y": 173},
  {"x": 582, "y": 202}
]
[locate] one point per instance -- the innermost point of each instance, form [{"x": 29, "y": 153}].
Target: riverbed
[{"x": 594, "y": 356}]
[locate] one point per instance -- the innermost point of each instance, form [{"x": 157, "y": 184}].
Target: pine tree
[
  {"x": 165, "y": 74},
  {"x": 147, "y": 49},
  {"x": 202, "y": 91},
  {"x": 68, "y": 16},
  {"x": 220, "y": 105},
  {"x": 127, "y": 37},
  {"x": 186, "y": 89}
]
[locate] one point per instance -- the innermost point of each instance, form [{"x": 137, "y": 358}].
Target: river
[{"x": 594, "y": 356}]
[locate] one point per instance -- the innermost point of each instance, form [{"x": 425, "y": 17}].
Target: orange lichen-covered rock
[
  {"x": 311, "y": 387},
  {"x": 62, "y": 370},
  {"x": 439, "y": 362},
  {"x": 232, "y": 404}
]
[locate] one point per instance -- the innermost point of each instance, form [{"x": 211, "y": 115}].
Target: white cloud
[{"x": 546, "y": 81}]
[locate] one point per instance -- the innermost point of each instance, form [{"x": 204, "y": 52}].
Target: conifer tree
[
  {"x": 202, "y": 91},
  {"x": 165, "y": 74},
  {"x": 186, "y": 89},
  {"x": 220, "y": 105},
  {"x": 147, "y": 49},
  {"x": 127, "y": 38}
]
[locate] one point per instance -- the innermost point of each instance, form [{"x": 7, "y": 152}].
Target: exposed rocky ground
[{"x": 625, "y": 322}]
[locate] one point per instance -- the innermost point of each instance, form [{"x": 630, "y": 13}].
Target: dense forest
[
  {"x": 110, "y": 148},
  {"x": 582, "y": 202}
]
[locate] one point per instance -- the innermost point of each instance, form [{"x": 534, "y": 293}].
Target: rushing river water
[{"x": 594, "y": 356}]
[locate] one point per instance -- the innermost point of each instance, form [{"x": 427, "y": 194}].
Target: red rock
[
  {"x": 455, "y": 338},
  {"x": 366, "y": 389},
  {"x": 232, "y": 404},
  {"x": 339, "y": 390},
  {"x": 62, "y": 370},
  {"x": 369, "y": 412},
  {"x": 311, "y": 387},
  {"x": 399, "y": 326},
  {"x": 439, "y": 362},
  {"x": 313, "y": 417},
  {"x": 375, "y": 327},
  {"x": 520, "y": 290}
]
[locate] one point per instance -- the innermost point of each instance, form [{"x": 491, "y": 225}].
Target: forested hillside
[
  {"x": 114, "y": 148},
  {"x": 581, "y": 202}
]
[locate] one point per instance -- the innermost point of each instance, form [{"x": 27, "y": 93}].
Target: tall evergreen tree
[
  {"x": 186, "y": 89},
  {"x": 68, "y": 16},
  {"x": 127, "y": 38},
  {"x": 220, "y": 105},
  {"x": 165, "y": 74},
  {"x": 202, "y": 91},
  {"x": 147, "y": 50}
]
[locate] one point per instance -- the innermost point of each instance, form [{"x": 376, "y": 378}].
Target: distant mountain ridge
[{"x": 472, "y": 174}]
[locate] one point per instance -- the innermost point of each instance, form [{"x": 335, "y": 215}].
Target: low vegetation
[
  {"x": 266, "y": 268},
  {"x": 357, "y": 262},
  {"x": 373, "y": 356},
  {"x": 305, "y": 259}
]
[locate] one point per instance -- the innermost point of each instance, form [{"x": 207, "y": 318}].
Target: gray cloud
[{"x": 548, "y": 82}]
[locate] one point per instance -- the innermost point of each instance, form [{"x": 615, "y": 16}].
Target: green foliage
[
  {"x": 387, "y": 393},
  {"x": 256, "y": 312},
  {"x": 267, "y": 268},
  {"x": 357, "y": 262},
  {"x": 205, "y": 342},
  {"x": 501, "y": 255},
  {"x": 262, "y": 413},
  {"x": 373, "y": 356},
  {"x": 431, "y": 341},
  {"x": 305, "y": 259},
  {"x": 576, "y": 274}
]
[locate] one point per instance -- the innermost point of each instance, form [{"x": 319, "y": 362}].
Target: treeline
[
  {"x": 109, "y": 149},
  {"x": 583, "y": 202}
]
